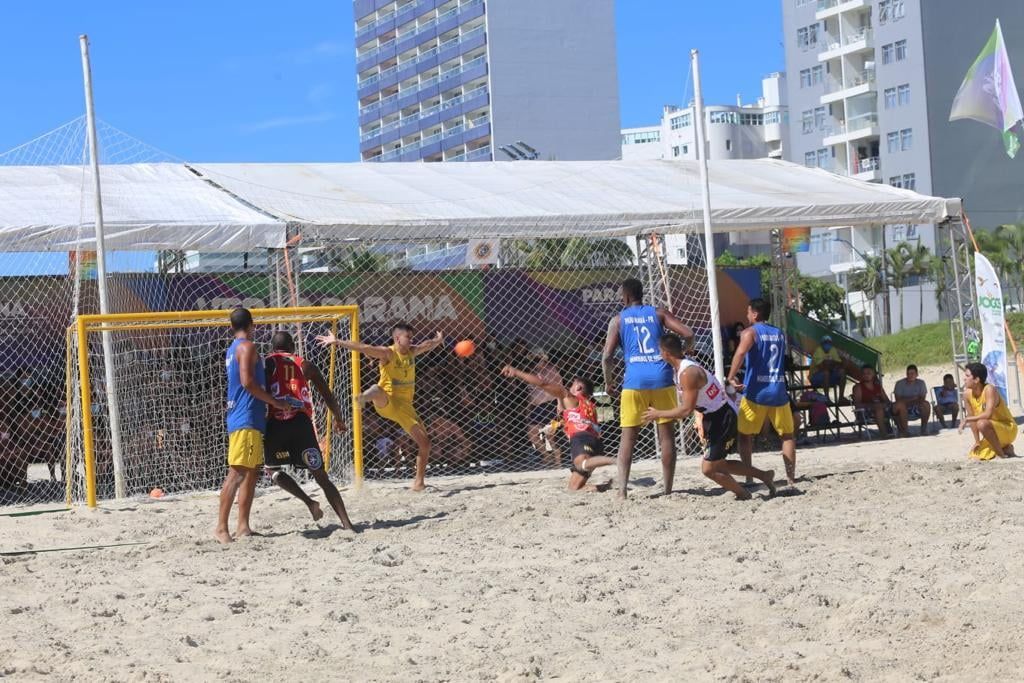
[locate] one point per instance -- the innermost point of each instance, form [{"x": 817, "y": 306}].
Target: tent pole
[
  {"x": 709, "y": 245},
  {"x": 113, "y": 410}
]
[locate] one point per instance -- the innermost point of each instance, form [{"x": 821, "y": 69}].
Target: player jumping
[
  {"x": 392, "y": 396},
  {"x": 246, "y": 421},
  {"x": 291, "y": 439},
  {"x": 579, "y": 418},
  {"x": 700, "y": 391}
]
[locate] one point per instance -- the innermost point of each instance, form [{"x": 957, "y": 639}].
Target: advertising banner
[{"x": 993, "y": 329}]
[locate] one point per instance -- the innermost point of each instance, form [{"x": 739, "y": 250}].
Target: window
[
  {"x": 681, "y": 121},
  {"x": 824, "y": 156},
  {"x": 807, "y": 37},
  {"x": 641, "y": 137},
  {"x": 810, "y": 159},
  {"x": 899, "y": 233},
  {"x": 901, "y": 50},
  {"x": 752, "y": 119},
  {"x": 884, "y": 11},
  {"x": 817, "y": 74},
  {"x": 686, "y": 149},
  {"x": 805, "y": 78},
  {"x": 890, "y": 98},
  {"x": 898, "y": 10},
  {"x": 910, "y": 181},
  {"x": 892, "y": 142},
  {"x": 911, "y": 232},
  {"x": 904, "y": 94},
  {"x": 887, "y": 53},
  {"x": 896, "y": 181},
  {"x": 773, "y": 117},
  {"x": 807, "y": 121},
  {"x": 819, "y": 117},
  {"x": 906, "y": 139},
  {"x": 723, "y": 117},
  {"x": 675, "y": 151}
]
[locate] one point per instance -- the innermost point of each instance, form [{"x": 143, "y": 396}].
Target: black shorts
[
  {"x": 586, "y": 445},
  {"x": 542, "y": 414},
  {"x": 292, "y": 442},
  {"x": 720, "y": 433}
]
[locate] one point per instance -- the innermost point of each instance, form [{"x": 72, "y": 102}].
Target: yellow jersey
[
  {"x": 1002, "y": 421},
  {"x": 398, "y": 375}
]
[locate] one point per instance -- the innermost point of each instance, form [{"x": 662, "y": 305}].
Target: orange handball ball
[
  {"x": 156, "y": 493},
  {"x": 465, "y": 348}
]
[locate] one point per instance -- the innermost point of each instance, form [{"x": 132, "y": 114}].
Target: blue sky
[{"x": 274, "y": 81}]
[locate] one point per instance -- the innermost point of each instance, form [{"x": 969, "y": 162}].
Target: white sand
[{"x": 896, "y": 561}]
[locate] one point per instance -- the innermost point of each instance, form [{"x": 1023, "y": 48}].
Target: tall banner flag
[
  {"x": 989, "y": 94},
  {"x": 993, "y": 326}
]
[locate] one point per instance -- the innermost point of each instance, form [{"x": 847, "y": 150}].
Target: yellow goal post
[{"x": 161, "y": 423}]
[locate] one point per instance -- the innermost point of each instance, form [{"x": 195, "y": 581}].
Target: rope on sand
[{"x": 15, "y": 553}]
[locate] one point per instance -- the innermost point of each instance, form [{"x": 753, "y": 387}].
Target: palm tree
[
  {"x": 937, "y": 271},
  {"x": 920, "y": 267},
  {"x": 868, "y": 280},
  {"x": 1012, "y": 238},
  {"x": 898, "y": 263}
]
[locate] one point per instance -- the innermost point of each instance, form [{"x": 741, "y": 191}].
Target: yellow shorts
[
  {"x": 634, "y": 402},
  {"x": 1007, "y": 433},
  {"x": 245, "y": 448},
  {"x": 753, "y": 415},
  {"x": 401, "y": 411}
]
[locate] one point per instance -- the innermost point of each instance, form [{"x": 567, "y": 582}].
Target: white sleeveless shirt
[{"x": 711, "y": 396}]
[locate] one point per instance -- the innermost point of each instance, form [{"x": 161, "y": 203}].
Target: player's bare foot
[
  {"x": 620, "y": 494},
  {"x": 223, "y": 536},
  {"x": 418, "y": 486},
  {"x": 769, "y": 481},
  {"x": 744, "y": 495},
  {"x": 314, "y": 509},
  {"x": 243, "y": 532}
]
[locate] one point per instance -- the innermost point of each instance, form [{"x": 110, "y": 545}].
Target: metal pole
[
  {"x": 887, "y": 311},
  {"x": 709, "y": 246},
  {"x": 846, "y": 288},
  {"x": 113, "y": 410}
]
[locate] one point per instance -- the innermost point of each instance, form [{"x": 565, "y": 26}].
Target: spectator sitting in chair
[
  {"x": 947, "y": 401},
  {"x": 869, "y": 396},
  {"x": 911, "y": 402},
  {"x": 827, "y": 368}
]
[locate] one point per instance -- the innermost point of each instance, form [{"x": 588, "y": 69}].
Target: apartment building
[
  {"x": 870, "y": 89},
  {"x": 459, "y": 80}
]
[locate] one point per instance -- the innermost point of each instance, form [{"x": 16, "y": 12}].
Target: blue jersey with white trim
[
  {"x": 765, "y": 377},
  {"x": 245, "y": 411},
  {"x": 639, "y": 333}
]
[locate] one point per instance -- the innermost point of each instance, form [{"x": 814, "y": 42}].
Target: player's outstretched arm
[
  {"x": 381, "y": 353},
  {"x": 316, "y": 378},
  {"x": 669, "y": 320},
  {"x": 247, "y": 359},
  {"x": 746, "y": 343},
  {"x": 694, "y": 380},
  {"x": 554, "y": 389},
  {"x": 429, "y": 345},
  {"x": 611, "y": 342}
]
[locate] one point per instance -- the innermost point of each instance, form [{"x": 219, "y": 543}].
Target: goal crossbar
[{"x": 162, "y": 320}]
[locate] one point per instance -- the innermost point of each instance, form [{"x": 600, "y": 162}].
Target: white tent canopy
[
  {"x": 146, "y": 207},
  {"x": 240, "y": 207},
  {"x": 559, "y": 198}
]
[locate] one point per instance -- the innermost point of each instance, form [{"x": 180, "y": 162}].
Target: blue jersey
[
  {"x": 639, "y": 333},
  {"x": 245, "y": 411},
  {"x": 765, "y": 377}
]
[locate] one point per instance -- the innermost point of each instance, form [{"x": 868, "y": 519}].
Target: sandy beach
[{"x": 891, "y": 561}]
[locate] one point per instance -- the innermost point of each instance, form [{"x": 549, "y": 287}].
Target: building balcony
[
  {"x": 832, "y": 8},
  {"x": 869, "y": 170},
  {"x": 859, "y": 41},
  {"x": 449, "y": 108},
  {"x": 447, "y": 50},
  {"x": 473, "y": 64},
  {"x": 857, "y": 128},
  {"x": 480, "y": 154},
  {"x": 858, "y": 83}
]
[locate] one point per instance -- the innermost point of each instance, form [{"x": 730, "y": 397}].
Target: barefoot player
[
  {"x": 291, "y": 439},
  {"x": 700, "y": 391},
  {"x": 579, "y": 418},
  {"x": 762, "y": 349},
  {"x": 392, "y": 395},
  {"x": 246, "y": 421},
  {"x": 648, "y": 379}
]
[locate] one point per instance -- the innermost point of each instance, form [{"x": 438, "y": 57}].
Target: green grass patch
[{"x": 929, "y": 344}]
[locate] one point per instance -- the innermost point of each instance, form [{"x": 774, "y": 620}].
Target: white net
[{"x": 170, "y": 392}]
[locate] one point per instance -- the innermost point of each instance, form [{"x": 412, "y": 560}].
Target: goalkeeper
[{"x": 291, "y": 439}]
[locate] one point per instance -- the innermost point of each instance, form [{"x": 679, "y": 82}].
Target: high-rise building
[
  {"x": 734, "y": 131},
  {"x": 457, "y": 80},
  {"x": 870, "y": 89}
]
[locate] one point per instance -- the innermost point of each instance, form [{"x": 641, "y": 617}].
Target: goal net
[{"x": 161, "y": 424}]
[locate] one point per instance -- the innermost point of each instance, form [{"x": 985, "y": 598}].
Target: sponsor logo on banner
[
  {"x": 993, "y": 326},
  {"x": 481, "y": 252},
  {"x": 796, "y": 240}
]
